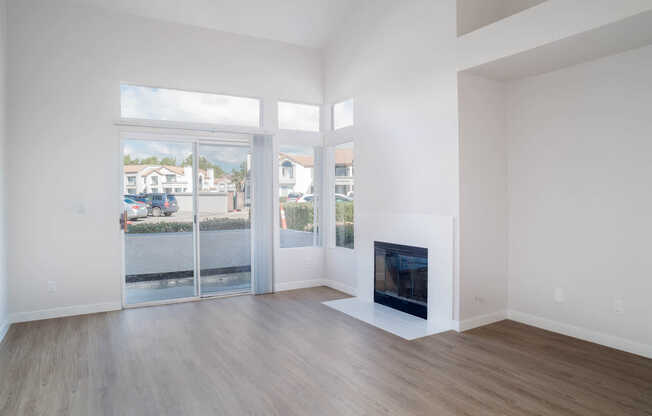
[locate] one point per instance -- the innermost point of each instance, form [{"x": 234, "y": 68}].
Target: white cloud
[{"x": 176, "y": 105}]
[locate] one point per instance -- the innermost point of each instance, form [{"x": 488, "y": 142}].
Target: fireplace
[{"x": 401, "y": 278}]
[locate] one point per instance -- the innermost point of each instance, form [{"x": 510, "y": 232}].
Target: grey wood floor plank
[{"x": 287, "y": 354}]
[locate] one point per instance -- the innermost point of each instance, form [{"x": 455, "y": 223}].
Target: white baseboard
[
  {"x": 4, "y": 327},
  {"x": 333, "y": 284},
  {"x": 478, "y": 321},
  {"x": 582, "y": 333},
  {"x": 64, "y": 311},
  {"x": 300, "y": 284}
]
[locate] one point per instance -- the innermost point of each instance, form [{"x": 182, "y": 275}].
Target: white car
[
  {"x": 134, "y": 210},
  {"x": 338, "y": 198}
]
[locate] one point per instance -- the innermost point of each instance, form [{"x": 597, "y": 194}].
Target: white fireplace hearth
[{"x": 436, "y": 233}]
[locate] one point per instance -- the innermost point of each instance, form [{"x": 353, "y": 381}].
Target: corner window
[
  {"x": 344, "y": 194},
  {"x": 163, "y": 104},
  {"x": 343, "y": 114},
  {"x": 292, "y": 116},
  {"x": 299, "y": 196}
]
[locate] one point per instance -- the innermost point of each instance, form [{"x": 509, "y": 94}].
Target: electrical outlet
[
  {"x": 478, "y": 299},
  {"x": 52, "y": 286},
  {"x": 619, "y": 306},
  {"x": 559, "y": 295}
]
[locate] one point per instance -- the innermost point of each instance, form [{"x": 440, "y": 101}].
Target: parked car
[
  {"x": 338, "y": 198},
  {"x": 306, "y": 198},
  {"x": 137, "y": 198},
  {"x": 138, "y": 206},
  {"x": 161, "y": 204},
  {"x": 134, "y": 211},
  {"x": 294, "y": 196}
]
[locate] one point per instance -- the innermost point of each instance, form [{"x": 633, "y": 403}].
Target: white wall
[
  {"x": 580, "y": 163},
  {"x": 3, "y": 172},
  {"x": 65, "y": 65},
  {"x": 397, "y": 59},
  {"x": 483, "y": 197}
]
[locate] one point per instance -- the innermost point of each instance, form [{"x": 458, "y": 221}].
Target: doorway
[{"x": 185, "y": 218}]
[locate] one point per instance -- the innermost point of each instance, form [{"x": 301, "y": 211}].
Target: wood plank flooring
[{"x": 287, "y": 354}]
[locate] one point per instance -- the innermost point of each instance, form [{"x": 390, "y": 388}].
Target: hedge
[
  {"x": 299, "y": 216},
  {"x": 344, "y": 235},
  {"x": 344, "y": 211},
  {"x": 211, "y": 224}
]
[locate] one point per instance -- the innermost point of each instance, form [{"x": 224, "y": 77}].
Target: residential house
[
  {"x": 295, "y": 174},
  {"x": 344, "y": 172},
  {"x": 139, "y": 179}
]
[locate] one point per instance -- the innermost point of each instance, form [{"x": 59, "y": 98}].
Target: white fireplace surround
[{"x": 436, "y": 233}]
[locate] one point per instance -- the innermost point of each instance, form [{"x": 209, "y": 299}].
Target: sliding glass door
[
  {"x": 185, "y": 216},
  {"x": 157, "y": 220},
  {"x": 224, "y": 218}
]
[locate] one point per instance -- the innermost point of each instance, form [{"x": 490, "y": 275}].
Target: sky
[
  {"x": 226, "y": 157},
  {"x": 193, "y": 107}
]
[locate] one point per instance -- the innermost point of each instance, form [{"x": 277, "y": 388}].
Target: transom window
[
  {"x": 293, "y": 116},
  {"x": 163, "y": 104}
]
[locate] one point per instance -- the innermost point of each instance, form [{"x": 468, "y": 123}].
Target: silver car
[{"x": 134, "y": 209}]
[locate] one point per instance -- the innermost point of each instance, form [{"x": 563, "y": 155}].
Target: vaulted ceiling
[{"x": 302, "y": 22}]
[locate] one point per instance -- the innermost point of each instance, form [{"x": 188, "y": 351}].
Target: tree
[
  {"x": 127, "y": 160},
  {"x": 204, "y": 164},
  {"x": 169, "y": 161},
  {"x": 152, "y": 160},
  {"x": 239, "y": 176},
  {"x": 218, "y": 170}
]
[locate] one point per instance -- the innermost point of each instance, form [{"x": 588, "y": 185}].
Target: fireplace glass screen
[{"x": 401, "y": 278}]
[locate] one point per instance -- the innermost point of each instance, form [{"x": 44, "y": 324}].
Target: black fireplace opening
[{"x": 401, "y": 277}]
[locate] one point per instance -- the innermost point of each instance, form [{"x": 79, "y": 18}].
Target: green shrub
[
  {"x": 344, "y": 224},
  {"x": 211, "y": 224},
  {"x": 344, "y": 211},
  {"x": 299, "y": 216},
  {"x": 344, "y": 235}
]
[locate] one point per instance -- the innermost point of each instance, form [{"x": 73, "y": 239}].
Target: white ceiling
[{"x": 300, "y": 22}]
